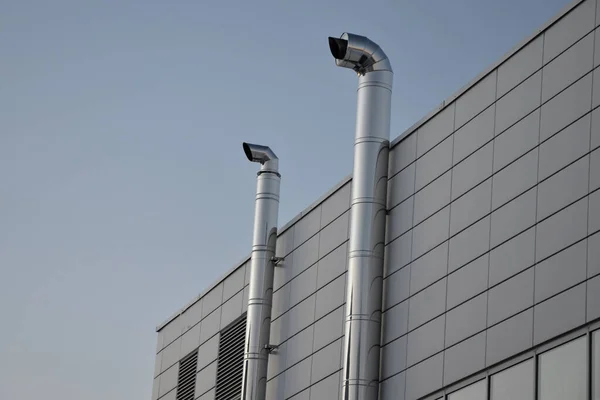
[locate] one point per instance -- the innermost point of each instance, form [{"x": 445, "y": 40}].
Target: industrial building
[{"x": 459, "y": 261}]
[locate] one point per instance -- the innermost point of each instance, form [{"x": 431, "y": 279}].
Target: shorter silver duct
[
  {"x": 258, "y": 328},
  {"x": 367, "y": 213}
]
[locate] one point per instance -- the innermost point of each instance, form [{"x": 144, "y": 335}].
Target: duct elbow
[
  {"x": 359, "y": 54},
  {"x": 261, "y": 154}
]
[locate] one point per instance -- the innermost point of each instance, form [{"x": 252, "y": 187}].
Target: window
[
  {"x": 596, "y": 365},
  {"x": 514, "y": 383},
  {"x": 186, "y": 379},
  {"x": 476, "y": 391},
  {"x": 562, "y": 372},
  {"x": 230, "y": 365}
]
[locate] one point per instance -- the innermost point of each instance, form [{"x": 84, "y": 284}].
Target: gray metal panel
[
  {"x": 510, "y": 297},
  {"x": 399, "y": 219},
  {"x": 565, "y": 108},
  {"x": 593, "y": 299},
  {"x": 569, "y": 305},
  {"x": 465, "y": 358},
  {"x": 514, "y": 217},
  {"x": 593, "y": 255},
  {"x": 210, "y": 395},
  {"x": 427, "y": 304},
  {"x": 468, "y": 281},
  {"x": 395, "y": 322},
  {"x": 472, "y": 170},
  {"x": 569, "y": 29},
  {"x": 301, "y": 315},
  {"x": 334, "y": 234},
  {"x": 234, "y": 282},
  {"x": 329, "y": 328},
  {"x": 297, "y": 378},
  {"x": 212, "y": 300},
  {"x": 594, "y": 210},
  {"x": 303, "y": 285},
  {"x": 466, "y": 319},
  {"x": 474, "y": 134},
  {"x": 521, "y": 65},
  {"x": 304, "y": 395},
  {"x": 429, "y": 268},
  {"x": 392, "y": 388},
  {"x": 397, "y": 254},
  {"x": 191, "y": 316},
  {"x": 424, "y": 377},
  {"x": 168, "y": 380},
  {"x": 518, "y": 102},
  {"x": 403, "y": 154},
  {"x": 516, "y": 140},
  {"x": 562, "y": 229},
  {"x": 595, "y": 170},
  {"x": 281, "y": 300},
  {"x": 595, "y": 128},
  {"x": 332, "y": 265},
  {"x": 336, "y": 204},
  {"x": 231, "y": 309},
  {"x": 208, "y": 352},
  {"x": 299, "y": 346},
  {"x": 401, "y": 186},
  {"x": 157, "y": 362},
  {"x": 171, "y": 354},
  {"x": 515, "y": 179},
  {"x": 563, "y": 188},
  {"x": 304, "y": 256},
  {"x": 512, "y": 257},
  {"x": 284, "y": 246},
  {"x": 155, "y": 388},
  {"x": 434, "y": 163},
  {"x": 277, "y": 361},
  {"x": 206, "y": 379},
  {"x": 172, "y": 331},
  {"x": 172, "y": 395},
  {"x": 425, "y": 341},
  {"x": 210, "y": 325},
  {"x": 470, "y": 207},
  {"x": 514, "y": 383},
  {"x": 568, "y": 67},
  {"x": 190, "y": 340},
  {"x": 560, "y": 271},
  {"x": 510, "y": 337},
  {"x": 597, "y": 44},
  {"x": 469, "y": 244},
  {"x": 393, "y": 358},
  {"x": 432, "y": 197},
  {"x": 330, "y": 297},
  {"x": 476, "y": 99},
  {"x": 307, "y": 226},
  {"x": 435, "y": 130},
  {"x": 596, "y": 88},
  {"x": 396, "y": 287},
  {"x": 430, "y": 232},
  {"x": 328, "y": 388},
  {"x": 474, "y": 391},
  {"x": 276, "y": 387}
]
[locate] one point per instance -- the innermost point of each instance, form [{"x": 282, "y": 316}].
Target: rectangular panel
[
  {"x": 430, "y": 232},
  {"x": 401, "y": 186},
  {"x": 435, "y": 130},
  {"x": 427, "y": 304},
  {"x": 277, "y": 361},
  {"x": 284, "y": 246},
  {"x": 515, "y": 179},
  {"x": 466, "y": 320},
  {"x": 434, "y": 163},
  {"x": 596, "y": 88},
  {"x": 234, "y": 283},
  {"x": 570, "y": 305},
  {"x": 329, "y": 328},
  {"x": 472, "y": 170},
  {"x": 332, "y": 265},
  {"x": 299, "y": 347},
  {"x": 303, "y": 257},
  {"x": 334, "y": 234},
  {"x": 563, "y": 188},
  {"x": 396, "y": 287},
  {"x": 424, "y": 377},
  {"x": 210, "y": 325},
  {"x": 561, "y": 230},
  {"x": 397, "y": 254},
  {"x": 392, "y": 388},
  {"x": 567, "y": 107},
  {"x": 469, "y": 244},
  {"x": 330, "y": 297},
  {"x": 281, "y": 300},
  {"x": 307, "y": 226},
  {"x": 191, "y": 316},
  {"x": 516, "y": 140},
  {"x": 231, "y": 309},
  {"x": 212, "y": 300},
  {"x": 425, "y": 341},
  {"x": 208, "y": 352},
  {"x": 206, "y": 379},
  {"x": 155, "y": 388},
  {"x": 510, "y": 297},
  {"x": 560, "y": 271},
  {"x": 336, "y": 204},
  {"x": 168, "y": 380},
  {"x": 171, "y": 354},
  {"x": 429, "y": 268},
  {"x": 297, "y": 378},
  {"x": 476, "y": 99},
  {"x": 593, "y": 300},
  {"x": 468, "y": 281},
  {"x": 520, "y": 66},
  {"x": 432, "y": 197},
  {"x": 474, "y": 134},
  {"x": 302, "y": 315},
  {"x": 563, "y": 372},
  {"x": 513, "y": 217},
  {"x": 303, "y": 285},
  {"x": 471, "y": 207},
  {"x": 393, "y": 358},
  {"x": 595, "y": 170},
  {"x": 326, "y": 361},
  {"x": 595, "y": 128},
  {"x": 569, "y": 29},
  {"x": 326, "y": 389},
  {"x": 514, "y": 383},
  {"x": 510, "y": 337},
  {"x": 403, "y": 154},
  {"x": 462, "y": 360},
  {"x": 276, "y": 387},
  {"x": 512, "y": 257},
  {"x": 475, "y": 391},
  {"x": 399, "y": 219},
  {"x": 593, "y": 255},
  {"x": 190, "y": 340},
  {"x": 594, "y": 211},
  {"x": 518, "y": 102},
  {"x": 395, "y": 322},
  {"x": 571, "y": 65}
]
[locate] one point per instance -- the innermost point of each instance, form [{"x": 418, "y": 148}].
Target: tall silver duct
[
  {"x": 258, "y": 328},
  {"x": 367, "y": 213}
]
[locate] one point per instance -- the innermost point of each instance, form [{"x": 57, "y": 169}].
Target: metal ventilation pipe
[
  {"x": 367, "y": 213},
  {"x": 258, "y": 328}
]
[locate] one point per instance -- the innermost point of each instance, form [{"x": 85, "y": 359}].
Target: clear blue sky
[{"x": 124, "y": 189}]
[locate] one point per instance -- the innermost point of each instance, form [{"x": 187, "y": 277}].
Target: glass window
[
  {"x": 514, "y": 383},
  {"x": 596, "y": 365},
  {"x": 562, "y": 372},
  {"x": 476, "y": 391}
]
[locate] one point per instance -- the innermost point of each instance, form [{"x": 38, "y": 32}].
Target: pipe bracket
[
  {"x": 277, "y": 260},
  {"x": 271, "y": 348}
]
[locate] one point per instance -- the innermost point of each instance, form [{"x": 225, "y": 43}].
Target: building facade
[{"x": 492, "y": 259}]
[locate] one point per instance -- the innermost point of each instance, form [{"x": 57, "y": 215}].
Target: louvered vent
[
  {"x": 231, "y": 361},
  {"x": 186, "y": 381}
]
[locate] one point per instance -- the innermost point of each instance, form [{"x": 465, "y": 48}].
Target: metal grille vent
[
  {"x": 186, "y": 381},
  {"x": 231, "y": 361}
]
